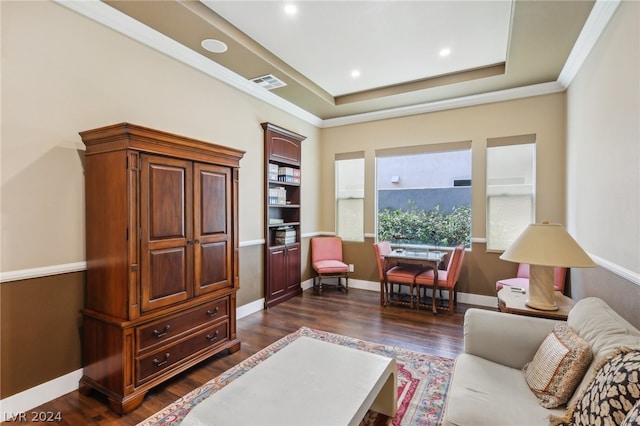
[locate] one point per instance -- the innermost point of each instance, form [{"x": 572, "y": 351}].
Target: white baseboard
[
  {"x": 364, "y": 285},
  {"x": 38, "y": 395},
  {"x": 249, "y": 308},
  {"x": 26, "y": 400},
  {"x": 15, "y": 405},
  {"x": 478, "y": 300},
  {"x": 467, "y": 298}
]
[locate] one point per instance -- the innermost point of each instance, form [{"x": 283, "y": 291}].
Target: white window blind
[
  {"x": 510, "y": 189},
  {"x": 349, "y": 192}
]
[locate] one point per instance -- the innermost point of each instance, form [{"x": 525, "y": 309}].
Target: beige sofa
[{"x": 488, "y": 386}]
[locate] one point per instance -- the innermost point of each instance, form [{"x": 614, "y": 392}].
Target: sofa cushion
[
  {"x": 558, "y": 366},
  {"x": 633, "y": 416},
  {"x": 482, "y": 392},
  {"x": 604, "y": 330},
  {"x": 602, "y": 327},
  {"x": 612, "y": 394}
]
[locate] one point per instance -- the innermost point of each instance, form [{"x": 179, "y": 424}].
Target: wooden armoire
[{"x": 162, "y": 258}]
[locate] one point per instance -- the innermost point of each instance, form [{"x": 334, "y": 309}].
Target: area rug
[{"x": 423, "y": 381}]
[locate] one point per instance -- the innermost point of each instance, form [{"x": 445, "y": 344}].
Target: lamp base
[
  {"x": 541, "y": 288},
  {"x": 539, "y": 307}
]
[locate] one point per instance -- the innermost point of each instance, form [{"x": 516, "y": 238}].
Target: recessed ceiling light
[
  {"x": 213, "y": 45},
  {"x": 445, "y": 52},
  {"x": 290, "y": 9},
  {"x": 355, "y": 73}
]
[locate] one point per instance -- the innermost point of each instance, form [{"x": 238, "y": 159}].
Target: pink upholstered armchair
[
  {"x": 522, "y": 278},
  {"x": 326, "y": 260}
]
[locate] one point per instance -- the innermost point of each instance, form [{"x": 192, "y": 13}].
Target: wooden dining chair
[
  {"x": 398, "y": 275},
  {"x": 447, "y": 279},
  {"x": 326, "y": 261}
]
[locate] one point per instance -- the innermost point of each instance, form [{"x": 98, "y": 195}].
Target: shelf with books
[{"x": 283, "y": 186}]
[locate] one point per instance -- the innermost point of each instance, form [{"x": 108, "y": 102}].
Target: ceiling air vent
[{"x": 268, "y": 82}]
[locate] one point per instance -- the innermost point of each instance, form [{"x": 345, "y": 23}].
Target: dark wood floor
[{"x": 357, "y": 314}]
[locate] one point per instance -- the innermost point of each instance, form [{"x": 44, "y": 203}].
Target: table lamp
[{"x": 545, "y": 246}]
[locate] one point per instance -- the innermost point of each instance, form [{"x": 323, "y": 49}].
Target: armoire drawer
[
  {"x": 163, "y": 330},
  {"x": 158, "y": 362}
]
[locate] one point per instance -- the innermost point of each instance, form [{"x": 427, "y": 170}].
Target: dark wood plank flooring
[{"x": 356, "y": 314}]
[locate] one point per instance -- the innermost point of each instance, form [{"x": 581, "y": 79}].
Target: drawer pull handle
[
  {"x": 159, "y": 363},
  {"x": 162, "y": 333},
  {"x": 214, "y": 337},
  {"x": 214, "y": 312}
]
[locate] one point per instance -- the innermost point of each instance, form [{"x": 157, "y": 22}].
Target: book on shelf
[
  {"x": 289, "y": 175},
  {"x": 277, "y": 196},
  {"x": 272, "y": 172},
  {"x": 285, "y": 240},
  {"x": 285, "y": 235},
  {"x": 286, "y": 231}
]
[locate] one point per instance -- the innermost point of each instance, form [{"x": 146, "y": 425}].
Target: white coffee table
[{"x": 308, "y": 382}]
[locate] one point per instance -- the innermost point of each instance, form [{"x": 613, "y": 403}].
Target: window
[
  {"x": 424, "y": 197},
  {"x": 350, "y": 196},
  {"x": 510, "y": 189}
]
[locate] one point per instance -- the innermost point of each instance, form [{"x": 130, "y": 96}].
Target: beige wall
[
  {"x": 603, "y": 179},
  {"x": 542, "y": 115},
  {"x": 62, "y": 73},
  {"x": 40, "y": 327}
]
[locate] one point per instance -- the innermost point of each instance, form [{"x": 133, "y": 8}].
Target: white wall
[{"x": 603, "y": 167}]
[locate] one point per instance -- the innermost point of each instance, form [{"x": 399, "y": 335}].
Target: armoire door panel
[
  {"x": 212, "y": 192},
  {"x": 168, "y": 189},
  {"x": 213, "y": 272},
  {"x": 167, "y": 277},
  {"x": 212, "y": 230},
  {"x": 166, "y": 234}
]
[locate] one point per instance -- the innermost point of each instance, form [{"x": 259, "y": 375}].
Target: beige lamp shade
[{"x": 547, "y": 244}]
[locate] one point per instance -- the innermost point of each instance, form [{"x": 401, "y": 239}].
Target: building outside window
[{"x": 424, "y": 198}]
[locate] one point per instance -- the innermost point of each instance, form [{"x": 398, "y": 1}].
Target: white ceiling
[
  {"x": 389, "y": 42},
  {"x": 500, "y": 49}
]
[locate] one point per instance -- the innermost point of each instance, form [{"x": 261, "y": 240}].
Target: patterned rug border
[{"x": 175, "y": 412}]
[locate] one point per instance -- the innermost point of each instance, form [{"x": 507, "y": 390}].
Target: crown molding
[
  {"x": 465, "y": 101},
  {"x": 106, "y": 15},
  {"x": 594, "y": 26},
  {"x": 124, "y": 24}
]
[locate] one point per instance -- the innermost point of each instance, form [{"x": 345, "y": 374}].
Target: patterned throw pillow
[
  {"x": 558, "y": 366},
  {"x": 612, "y": 394},
  {"x": 633, "y": 416}
]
